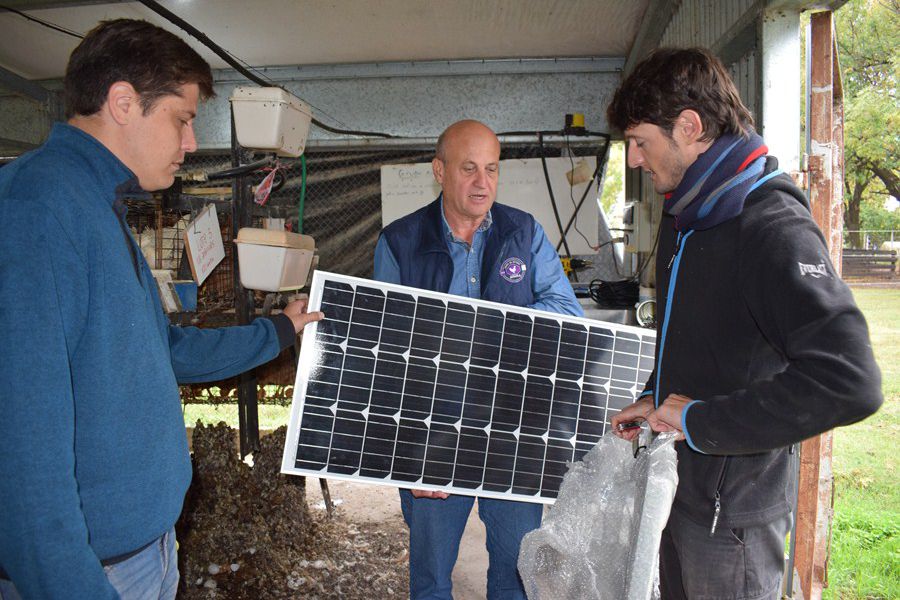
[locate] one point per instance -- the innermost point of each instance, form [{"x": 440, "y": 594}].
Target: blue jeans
[
  {"x": 436, "y": 528},
  {"x": 152, "y": 574}
]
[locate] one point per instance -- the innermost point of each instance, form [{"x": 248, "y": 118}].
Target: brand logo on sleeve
[
  {"x": 814, "y": 271},
  {"x": 513, "y": 269}
]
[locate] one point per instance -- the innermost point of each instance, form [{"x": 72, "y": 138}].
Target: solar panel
[{"x": 419, "y": 389}]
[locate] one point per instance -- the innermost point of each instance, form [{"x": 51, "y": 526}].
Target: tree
[
  {"x": 614, "y": 186},
  {"x": 879, "y": 221},
  {"x": 868, "y": 34}
]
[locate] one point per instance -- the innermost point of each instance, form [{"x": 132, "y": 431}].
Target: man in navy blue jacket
[
  {"x": 465, "y": 244},
  {"x": 94, "y": 462},
  {"x": 760, "y": 344}
]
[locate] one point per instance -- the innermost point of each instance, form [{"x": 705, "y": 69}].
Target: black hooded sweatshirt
[{"x": 757, "y": 326}]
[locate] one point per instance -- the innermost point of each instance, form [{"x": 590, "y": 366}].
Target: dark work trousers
[{"x": 734, "y": 564}]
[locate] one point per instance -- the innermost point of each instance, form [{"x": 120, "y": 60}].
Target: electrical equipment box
[
  {"x": 274, "y": 261},
  {"x": 640, "y": 230},
  {"x": 269, "y": 118}
]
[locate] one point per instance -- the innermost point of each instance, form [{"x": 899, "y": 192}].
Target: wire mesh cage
[{"x": 335, "y": 197}]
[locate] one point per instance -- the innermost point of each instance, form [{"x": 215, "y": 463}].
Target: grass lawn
[
  {"x": 270, "y": 416},
  {"x": 865, "y": 544}
]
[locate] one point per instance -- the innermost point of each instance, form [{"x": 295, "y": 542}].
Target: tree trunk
[
  {"x": 851, "y": 214},
  {"x": 890, "y": 179}
]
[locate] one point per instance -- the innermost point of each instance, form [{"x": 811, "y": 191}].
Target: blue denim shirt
[{"x": 552, "y": 290}]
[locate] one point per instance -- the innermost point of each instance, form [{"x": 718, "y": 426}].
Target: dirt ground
[
  {"x": 251, "y": 533},
  {"x": 376, "y": 505}
]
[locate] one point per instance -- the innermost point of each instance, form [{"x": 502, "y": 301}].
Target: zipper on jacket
[
  {"x": 675, "y": 251},
  {"x": 712, "y": 530},
  {"x": 718, "y": 497},
  {"x": 670, "y": 295}
]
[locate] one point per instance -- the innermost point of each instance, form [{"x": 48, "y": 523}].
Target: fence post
[{"x": 825, "y": 102}]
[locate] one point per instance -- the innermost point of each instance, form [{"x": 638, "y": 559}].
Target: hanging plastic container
[
  {"x": 274, "y": 261},
  {"x": 269, "y": 118}
]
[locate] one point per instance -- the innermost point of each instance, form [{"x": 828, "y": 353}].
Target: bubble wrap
[{"x": 601, "y": 538}]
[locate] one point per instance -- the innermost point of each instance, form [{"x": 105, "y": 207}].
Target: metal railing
[{"x": 872, "y": 239}]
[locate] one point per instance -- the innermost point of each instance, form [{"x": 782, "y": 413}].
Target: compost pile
[{"x": 247, "y": 533}]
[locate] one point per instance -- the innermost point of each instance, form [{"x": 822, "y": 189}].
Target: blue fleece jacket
[{"x": 93, "y": 453}]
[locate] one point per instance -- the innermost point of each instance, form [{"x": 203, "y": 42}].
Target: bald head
[
  {"x": 467, "y": 165},
  {"x": 460, "y": 133}
]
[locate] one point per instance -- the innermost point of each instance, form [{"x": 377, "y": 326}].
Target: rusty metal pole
[
  {"x": 825, "y": 115},
  {"x": 837, "y": 160}
]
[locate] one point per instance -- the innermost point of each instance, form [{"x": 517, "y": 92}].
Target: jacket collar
[
  {"x": 436, "y": 231},
  {"x": 99, "y": 160},
  {"x": 782, "y": 182}
]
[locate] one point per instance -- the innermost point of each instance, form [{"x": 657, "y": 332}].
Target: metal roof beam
[
  {"x": 24, "y": 87},
  {"x": 656, "y": 18},
  {"x": 804, "y": 4},
  {"x": 742, "y": 37},
  {"x": 26, "y": 5},
  {"x": 432, "y": 68},
  {"x": 16, "y": 145},
  {"x": 49, "y": 100}
]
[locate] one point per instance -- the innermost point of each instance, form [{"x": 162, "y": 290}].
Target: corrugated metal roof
[{"x": 291, "y": 32}]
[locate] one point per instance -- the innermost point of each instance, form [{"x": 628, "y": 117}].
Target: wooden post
[{"x": 825, "y": 110}]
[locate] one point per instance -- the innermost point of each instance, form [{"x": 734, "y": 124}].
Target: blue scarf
[{"x": 715, "y": 186}]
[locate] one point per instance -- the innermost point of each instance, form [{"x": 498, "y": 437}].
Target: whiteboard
[{"x": 405, "y": 188}]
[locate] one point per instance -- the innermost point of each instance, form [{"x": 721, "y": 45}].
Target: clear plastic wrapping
[{"x": 601, "y": 538}]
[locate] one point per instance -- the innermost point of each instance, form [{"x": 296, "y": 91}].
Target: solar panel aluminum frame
[{"x": 583, "y": 430}]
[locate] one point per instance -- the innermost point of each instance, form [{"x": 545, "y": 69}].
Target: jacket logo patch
[
  {"x": 814, "y": 271},
  {"x": 513, "y": 269}
]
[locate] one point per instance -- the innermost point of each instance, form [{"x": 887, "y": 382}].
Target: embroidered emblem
[
  {"x": 814, "y": 271},
  {"x": 513, "y": 269}
]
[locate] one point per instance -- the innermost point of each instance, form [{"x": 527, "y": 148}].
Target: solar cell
[{"x": 419, "y": 389}]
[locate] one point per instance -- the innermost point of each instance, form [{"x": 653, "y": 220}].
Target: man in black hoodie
[{"x": 760, "y": 344}]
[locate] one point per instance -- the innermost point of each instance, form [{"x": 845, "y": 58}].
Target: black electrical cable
[
  {"x": 636, "y": 277},
  {"x": 221, "y": 53},
  {"x": 614, "y": 294},
  {"x": 552, "y": 199},
  {"x": 578, "y": 208},
  {"x": 560, "y": 133},
  {"x": 241, "y": 170},
  {"x": 48, "y": 24},
  {"x": 605, "y": 136},
  {"x": 650, "y": 257},
  {"x": 279, "y": 181},
  {"x": 600, "y": 164},
  {"x": 573, "y": 220},
  {"x": 617, "y": 240}
]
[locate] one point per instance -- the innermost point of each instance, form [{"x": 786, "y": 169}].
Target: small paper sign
[{"x": 203, "y": 242}]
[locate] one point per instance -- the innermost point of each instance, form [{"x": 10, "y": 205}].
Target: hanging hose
[{"x": 302, "y": 193}]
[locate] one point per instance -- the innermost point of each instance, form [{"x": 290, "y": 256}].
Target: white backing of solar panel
[{"x": 310, "y": 359}]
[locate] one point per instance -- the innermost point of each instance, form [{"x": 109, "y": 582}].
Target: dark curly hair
[
  {"x": 153, "y": 60},
  {"x": 671, "y": 80}
]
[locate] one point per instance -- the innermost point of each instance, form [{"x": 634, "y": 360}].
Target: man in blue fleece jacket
[
  {"x": 94, "y": 462},
  {"x": 760, "y": 344}
]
